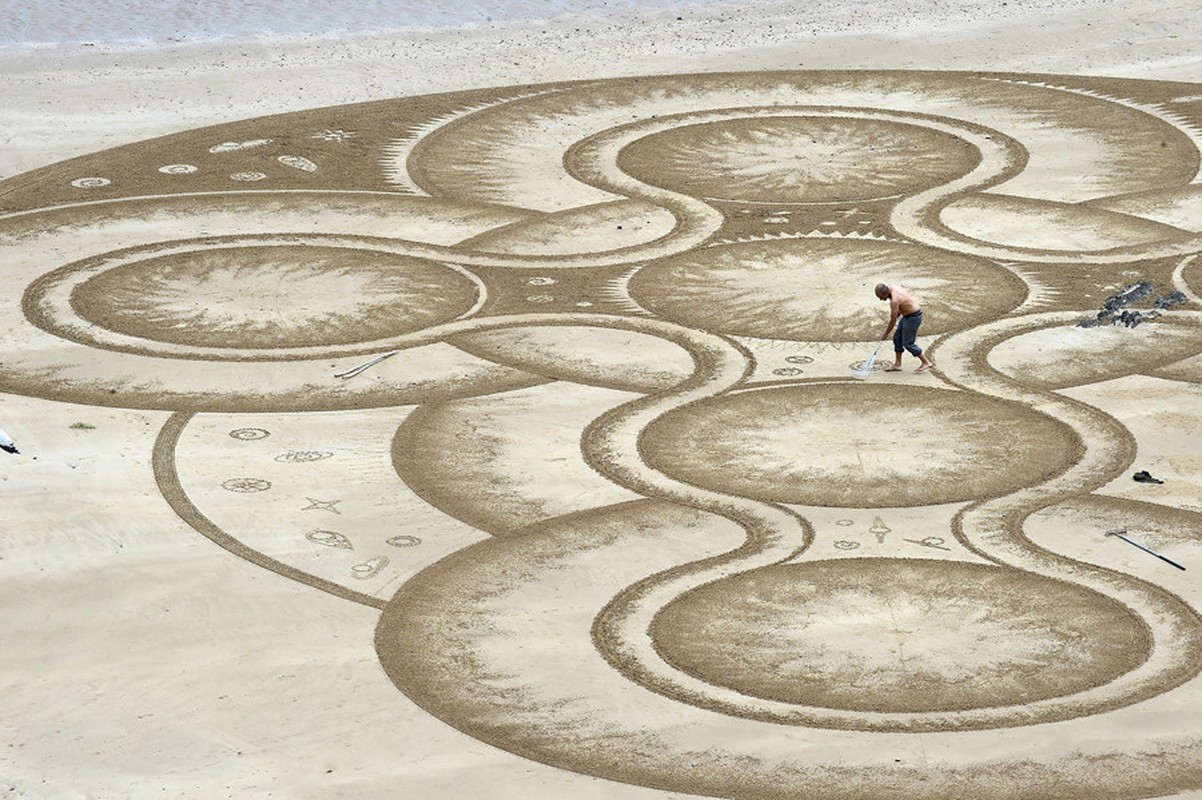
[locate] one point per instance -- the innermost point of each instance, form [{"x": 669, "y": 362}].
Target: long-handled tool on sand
[
  {"x": 866, "y": 367},
  {"x": 350, "y": 373},
  {"x": 1121, "y": 533}
]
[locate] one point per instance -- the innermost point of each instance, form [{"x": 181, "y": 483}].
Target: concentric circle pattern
[
  {"x": 799, "y": 160},
  {"x": 273, "y": 297},
  {"x": 853, "y": 446},
  {"x": 899, "y": 635},
  {"x": 555, "y": 379},
  {"x": 814, "y": 289}
]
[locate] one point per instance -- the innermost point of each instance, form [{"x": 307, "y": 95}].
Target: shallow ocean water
[
  {"x": 54, "y": 22},
  {"x": 138, "y": 23}
]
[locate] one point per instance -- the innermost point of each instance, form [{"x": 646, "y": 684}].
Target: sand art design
[
  {"x": 599, "y": 406},
  {"x": 246, "y": 485},
  {"x": 330, "y": 539},
  {"x": 257, "y": 298},
  {"x": 90, "y": 183}
]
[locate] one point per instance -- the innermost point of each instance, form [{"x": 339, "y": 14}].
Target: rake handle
[{"x": 1146, "y": 550}]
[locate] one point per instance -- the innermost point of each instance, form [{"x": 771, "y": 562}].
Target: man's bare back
[{"x": 901, "y": 302}]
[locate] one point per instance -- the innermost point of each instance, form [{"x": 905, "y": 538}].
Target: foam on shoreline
[{"x": 111, "y": 25}]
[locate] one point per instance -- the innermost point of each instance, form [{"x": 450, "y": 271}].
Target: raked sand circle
[
  {"x": 266, "y": 297},
  {"x": 855, "y": 446},
  {"x": 802, "y": 160},
  {"x": 960, "y": 635},
  {"x": 555, "y": 379},
  {"x": 813, "y": 288}
]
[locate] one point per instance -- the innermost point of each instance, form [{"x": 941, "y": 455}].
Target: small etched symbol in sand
[
  {"x": 249, "y": 434},
  {"x": 330, "y": 539},
  {"x": 303, "y": 456},
  {"x": 369, "y": 568},
  {"x": 337, "y": 135},
  {"x": 228, "y": 147},
  {"x": 246, "y": 485},
  {"x": 298, "y": 162},
  {"x": 879, "y": 529},
  {"x": 321, "y": 505},
  {"x": 935, "y": 542}
]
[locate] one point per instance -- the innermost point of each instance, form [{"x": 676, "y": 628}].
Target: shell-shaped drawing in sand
[
  {"x": 330, "y": 539},
  {"x": 298, "y": 162},
  {"x": 228, "y": 147},
  {"x": 369, "y": 568}
]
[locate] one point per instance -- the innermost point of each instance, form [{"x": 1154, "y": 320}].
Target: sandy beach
[{"x": 613, "y": 516}]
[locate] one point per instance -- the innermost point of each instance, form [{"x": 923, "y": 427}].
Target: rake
[
  {"x": 350, "y": 373},
  {"x": 1122, "y": 534},
  {"x": 866, "y": 367}
]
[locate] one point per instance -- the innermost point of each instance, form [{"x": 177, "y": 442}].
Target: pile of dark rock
[
  {"x": 1170, "y": 300},
  {"x": 1114, "y": 311}
]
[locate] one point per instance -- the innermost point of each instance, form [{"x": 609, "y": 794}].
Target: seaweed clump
[{"x": 1115, "y": 312}]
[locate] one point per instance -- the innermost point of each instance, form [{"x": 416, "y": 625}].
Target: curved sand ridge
[
  {"x": 630, "y": 305},
  {"x": 993, "y": 527}
]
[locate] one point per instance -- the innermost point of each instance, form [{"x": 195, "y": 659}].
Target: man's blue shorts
[{"x": 906, "y": 332}]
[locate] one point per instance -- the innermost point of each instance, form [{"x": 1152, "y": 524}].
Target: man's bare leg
[
  {"x": 896, "y": 364},
  {"x": 926, "y": 363}
]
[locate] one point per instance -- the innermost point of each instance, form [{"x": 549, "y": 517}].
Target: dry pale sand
[{"x": 616, "y": 521}]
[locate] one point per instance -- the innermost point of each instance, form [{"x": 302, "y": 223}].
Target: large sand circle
[
  {"x": 821, "y": 289},
  {"x": 857, "y": 446},
  {"x": 269, "y": 297},
  {"x": 799, "y": 159},
  {"x": 899, "y": 636}
]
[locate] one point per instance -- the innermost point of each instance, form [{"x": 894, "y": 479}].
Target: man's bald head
[{"x": 882, "y": 291}]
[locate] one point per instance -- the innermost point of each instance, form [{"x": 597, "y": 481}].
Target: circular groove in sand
[
  {"x": 993, "y": 528},
  {"x": 49, "y": 304},
  {"x": 988, "y": 529},
  {"x": 622, "y": 629}
]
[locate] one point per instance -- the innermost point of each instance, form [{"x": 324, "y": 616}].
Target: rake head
[{"x": 866, "y": 368}]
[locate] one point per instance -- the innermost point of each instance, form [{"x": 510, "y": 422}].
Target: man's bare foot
[
  {"x": 892, "y": 369},
  {"x": 925, "y": 367}
]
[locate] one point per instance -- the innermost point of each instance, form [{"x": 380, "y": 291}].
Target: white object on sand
[
  {"x": 7, "y": 444},
  {"x": 866, "y": 367},
  {"x": 350, "y": 373}
]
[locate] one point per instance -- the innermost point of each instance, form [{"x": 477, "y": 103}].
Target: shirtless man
[{"x": 904, "y": 312}]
